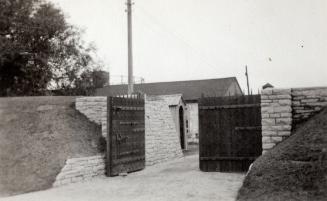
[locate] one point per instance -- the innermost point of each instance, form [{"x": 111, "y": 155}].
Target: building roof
[
  {"x": 174, "y": 99},
  {"x": 171, "y": 100},
  {"x": 191, "y": 90}
]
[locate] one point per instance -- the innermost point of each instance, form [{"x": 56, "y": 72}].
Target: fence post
[{"x": 109, "y": 136}]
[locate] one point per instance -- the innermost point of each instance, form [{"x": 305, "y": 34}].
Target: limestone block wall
[
  {"x": 276, "y": 112},
  {"x": 306, "y": 102},
  {"x": 80, "y": 169},
  {"x": 283, "y": 110},
  {"x": 161, "y": 139},
  {"x": 95, "y": 109}
]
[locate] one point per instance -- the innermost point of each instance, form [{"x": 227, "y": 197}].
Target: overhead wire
[{"x": 175, "y": 35}]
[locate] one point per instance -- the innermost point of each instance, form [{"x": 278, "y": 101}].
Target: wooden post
[
  {"x": 109, "y": 137},
  {"x": 130, "y": 48},
  {"x": 247, "y": 79}
]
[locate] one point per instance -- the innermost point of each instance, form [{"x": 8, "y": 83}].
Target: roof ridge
[
  {"x": 190, "y": 89},
  {"x": 178, "y": 81}
]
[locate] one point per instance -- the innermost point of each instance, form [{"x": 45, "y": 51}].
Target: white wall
[{"x": 193, "y": 121}]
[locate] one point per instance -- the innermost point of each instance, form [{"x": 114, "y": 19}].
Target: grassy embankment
[
  {"x": 37, "y": 135},
  {"x": 295, "y": 169}
]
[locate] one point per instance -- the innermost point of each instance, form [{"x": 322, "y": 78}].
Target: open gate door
[
  {"x": 229, "y": 132},
  {"x": 126, "y": 135}
]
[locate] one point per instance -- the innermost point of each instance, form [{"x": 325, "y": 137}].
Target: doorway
[{"x": 181, "y": 127}]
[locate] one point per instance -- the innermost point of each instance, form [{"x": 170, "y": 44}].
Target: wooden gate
[
  {"x": 126, "y": 134},
  {"x": 229, "y": 132}
]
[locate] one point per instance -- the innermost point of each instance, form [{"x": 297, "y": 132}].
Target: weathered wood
[
  {"x": 229, "y": 106},
  {"x": 258, "y": 128},
  {"x": 109, "y": 136},
  {"x": 126, "y": 134},
  {"x": 127, "y": 108},
  {"x": 229, "y": 132},
  {"x": 227, "y": 158}
]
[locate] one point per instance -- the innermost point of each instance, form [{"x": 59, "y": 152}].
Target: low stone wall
[
  {"x": 95, "y": 109},
  {"x": 80, "y": 169},
  {"x": 306, "y": 102},
  {"x": 161, "y": 138},
  {"x": 283, "y": 110}
]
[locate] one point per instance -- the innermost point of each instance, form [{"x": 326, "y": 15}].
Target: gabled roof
[
  {"x": 171, "y": 100},
  {"x": 191, "y": 90}
]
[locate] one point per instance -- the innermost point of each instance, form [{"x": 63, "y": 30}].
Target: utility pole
[
  {"x": 130, "y": 48},
  {"x": 247, "y": 79}
]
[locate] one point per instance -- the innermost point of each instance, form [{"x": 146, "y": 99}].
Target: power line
[
  {"x": 174, "y": 34},
  {"x": 123, "y": 79}
]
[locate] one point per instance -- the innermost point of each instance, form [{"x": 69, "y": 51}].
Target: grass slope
[
  {"x": 296, "y": 169},
  {"x": 37, "y": 135}
]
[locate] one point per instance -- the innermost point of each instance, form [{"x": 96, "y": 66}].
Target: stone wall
[
  {"x": 80, "y": 169},
  {"x": 276, "y": 113},
  {"x": 95, "y": 109},
  {"x": 283, "y": 110},
  {"x": 161, "y": 138},
  {"x": 306, "y": 102}
]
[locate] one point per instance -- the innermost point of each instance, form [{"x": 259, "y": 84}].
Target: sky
[{"x": 283, "y": 42}]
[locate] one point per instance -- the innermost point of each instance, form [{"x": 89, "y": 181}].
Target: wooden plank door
[
  {"x": 126, "y": 135},
  {"x": 229, "y": 132}
]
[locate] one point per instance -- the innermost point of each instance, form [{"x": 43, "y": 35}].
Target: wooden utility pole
[
  {"x": 130, "y": 48},
  {"x": 247, "y": 79}
]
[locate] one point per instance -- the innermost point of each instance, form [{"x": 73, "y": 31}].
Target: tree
[
  {"x": 39, "y": 50},
  {"x": 86, "y": 83},
  {"x": 100, "y": 78}
]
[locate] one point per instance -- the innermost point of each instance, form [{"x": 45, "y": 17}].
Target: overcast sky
[{"x": 283, "y": 42}]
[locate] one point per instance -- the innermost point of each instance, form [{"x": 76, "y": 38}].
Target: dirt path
[{"x": 173, "y": 181}]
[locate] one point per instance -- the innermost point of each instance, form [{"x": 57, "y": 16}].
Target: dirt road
[{"x": 173, "y": 181}]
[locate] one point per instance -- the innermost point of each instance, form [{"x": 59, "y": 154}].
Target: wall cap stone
[
  {"x": 309, "y": 88},
  {"x": 274, "y": 91}
]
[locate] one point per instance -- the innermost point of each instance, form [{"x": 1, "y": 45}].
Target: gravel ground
[{"x": 176, "y": 180}]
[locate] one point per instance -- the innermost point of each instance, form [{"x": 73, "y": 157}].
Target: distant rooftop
[{"x": 191, "y": 89}]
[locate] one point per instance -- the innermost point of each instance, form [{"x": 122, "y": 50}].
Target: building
[
  {"x": 177, "y": 107},
  {"x": 190, "y": 90}
]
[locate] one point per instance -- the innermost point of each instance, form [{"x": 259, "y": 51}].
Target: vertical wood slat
[
  {"x": 218, "y": 136},
  {"x": 109, "y": 136},
  {"x": 126, "y": 141}
]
